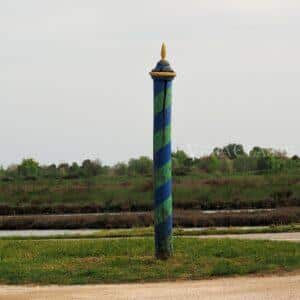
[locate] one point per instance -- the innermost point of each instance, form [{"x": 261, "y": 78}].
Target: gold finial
[{"x": 163, "y": 51}]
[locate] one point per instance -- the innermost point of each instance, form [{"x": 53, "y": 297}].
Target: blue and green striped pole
[{"x": 162, "y": 76}]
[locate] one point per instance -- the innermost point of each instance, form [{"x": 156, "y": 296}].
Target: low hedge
[{"x": 182, "y": 218}]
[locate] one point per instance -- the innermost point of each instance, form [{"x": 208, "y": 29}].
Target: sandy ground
[
  {"x": 282, "y": 236},
  {"x": 238, "y": 288},
  {"x": 285, "y": 236}
]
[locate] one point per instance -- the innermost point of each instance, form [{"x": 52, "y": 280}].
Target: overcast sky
[{"x": 74, "y": 80}]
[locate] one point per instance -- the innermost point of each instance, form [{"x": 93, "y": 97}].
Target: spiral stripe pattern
[{"x": 162, "y": 167}]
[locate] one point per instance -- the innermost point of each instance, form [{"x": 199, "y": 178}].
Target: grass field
[
  {"x": 117, "y": 193},
  {"x": 131, "y": 260}
]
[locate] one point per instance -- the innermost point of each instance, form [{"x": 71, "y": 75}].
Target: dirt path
[
  {"x": 239, "y": 288},
  {"x": 282, "y": 236}
]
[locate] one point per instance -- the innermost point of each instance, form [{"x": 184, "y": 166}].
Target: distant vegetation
[
  {"x": 229, "y": 178},
  {"x": 230, "y": 159}
]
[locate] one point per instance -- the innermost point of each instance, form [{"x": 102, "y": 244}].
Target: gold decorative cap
[
  {"x": 163, "y": 68},
  {"x": 163, "y": 51}
]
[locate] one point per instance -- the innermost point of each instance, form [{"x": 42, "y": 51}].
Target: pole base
[
  {"x": 164, "y": 250},
  {"x": 163, "y": 256}
]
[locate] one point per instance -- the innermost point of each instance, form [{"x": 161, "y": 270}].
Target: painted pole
[{"x": 162, "y": 76}]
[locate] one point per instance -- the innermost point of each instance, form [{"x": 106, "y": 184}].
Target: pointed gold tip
[{"x": 163, "y": 52}]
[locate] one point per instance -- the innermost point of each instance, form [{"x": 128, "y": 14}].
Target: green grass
[
  {"x": 131, "y": 260},
  {"x": 113, "y": 193}
]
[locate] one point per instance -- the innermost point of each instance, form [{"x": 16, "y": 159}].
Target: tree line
[{"x": 225, "y": 160}]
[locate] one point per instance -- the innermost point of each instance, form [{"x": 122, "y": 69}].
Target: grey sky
[{"x": 74, "y": 80}]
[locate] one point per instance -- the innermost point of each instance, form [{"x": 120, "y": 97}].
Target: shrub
[{"x": 129, "y": 220}]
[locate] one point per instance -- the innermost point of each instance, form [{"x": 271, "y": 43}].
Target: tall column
[{"x": 162, "y": 76}]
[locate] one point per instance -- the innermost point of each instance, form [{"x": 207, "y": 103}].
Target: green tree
[
  {"x": 269, "y": 159},
  {"x": 50, "y": 171},
  {"x": 12, "y": 171},
  {"x": 245, "y": 164},
  {"x": 142, "y": 166},
  {"x": 270, "y": 163},
  {"x": 29, "y": 168},
  {"x": 261, "y": 152},
  {"x": 213, "y": 164},
  {"x": 74, "y": 170},
  {"x": 226, "y": 165},
  {"x": 63, "y": 169},
  {"x": 218, "y": 152},
  {"x": 182, "y": 158},
  {"x": 120, "y": 169},
  {"x": 209, "y": 164},
  {"x": 181, "y": 163},
  {"x": 91, "y": 168},
  {"x": 232, "y": 151},
  {"x": 2, "y": 171}
]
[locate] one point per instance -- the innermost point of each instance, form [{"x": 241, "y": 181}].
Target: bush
[
  {"x": 140, "y": 166},
  {"x": 29, "y": 168},
  {"x": 120, "y": 169},
  {"x": 130, "y": 220},
  {"x": 245, "y": 164},
  {"x": 232, "y": 151}
]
